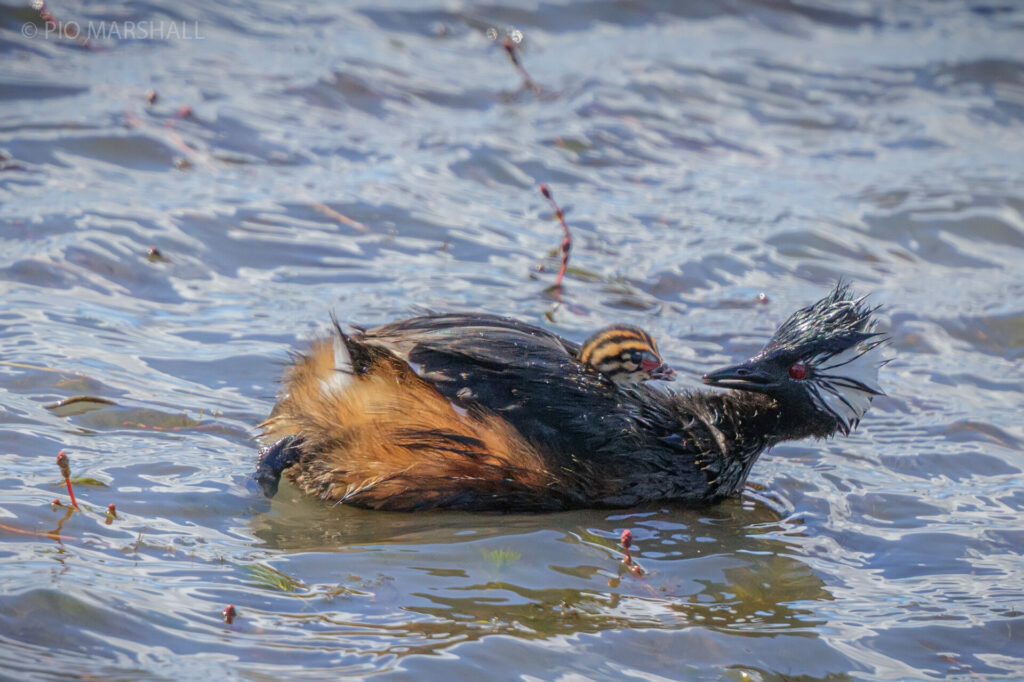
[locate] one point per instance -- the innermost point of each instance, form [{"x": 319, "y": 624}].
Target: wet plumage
[{"x": 480, "y": 412}]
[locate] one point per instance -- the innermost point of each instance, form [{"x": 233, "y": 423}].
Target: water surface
[{"x": 370, "y": 158}]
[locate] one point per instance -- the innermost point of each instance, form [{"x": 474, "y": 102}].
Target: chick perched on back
[
  {"x": 625, "y": 355},
  {"x": 481, "y": 412}
]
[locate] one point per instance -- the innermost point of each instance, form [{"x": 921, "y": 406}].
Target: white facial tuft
[
  {"x": 342, "y": 375},
  {"x": 844, "y": 383}
]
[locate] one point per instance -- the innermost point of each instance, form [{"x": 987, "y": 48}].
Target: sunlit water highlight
[{"x": 370, "y": 159}]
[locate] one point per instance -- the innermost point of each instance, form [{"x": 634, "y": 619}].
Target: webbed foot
[{"x": 273, "y": 459}]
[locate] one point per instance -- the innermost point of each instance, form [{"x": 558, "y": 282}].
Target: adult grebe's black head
[{"x": 821, "y": 365}]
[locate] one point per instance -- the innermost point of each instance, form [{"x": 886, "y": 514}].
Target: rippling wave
[{"x": 295, "y": 159}]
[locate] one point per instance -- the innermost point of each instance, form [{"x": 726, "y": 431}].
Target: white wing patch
[
  {"x": 845, "y": 383},
  {"x": 342, "y": 376}
]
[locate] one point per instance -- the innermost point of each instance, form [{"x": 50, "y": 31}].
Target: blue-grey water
[{"x": 372, "y": 157}]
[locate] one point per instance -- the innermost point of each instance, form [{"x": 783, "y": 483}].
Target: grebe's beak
[{"x": 749, "y": 376}]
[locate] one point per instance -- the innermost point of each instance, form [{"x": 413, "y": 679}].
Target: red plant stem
[
  {"x": 626, "y": 540},
  {"x": 71, "y": 494},
  {"x": 510, "y": 48},
  {"x": 566, "y": 240},
  {"x": 65, "y": 469},
  {"x": 70, "y": 30}
]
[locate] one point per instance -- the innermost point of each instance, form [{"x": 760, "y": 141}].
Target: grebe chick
[
  {"x": 478, "y": 412},
  {"x": 626, "y": 355}
]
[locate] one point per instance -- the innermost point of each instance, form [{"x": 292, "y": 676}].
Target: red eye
[{"x": 798, "y": 371}]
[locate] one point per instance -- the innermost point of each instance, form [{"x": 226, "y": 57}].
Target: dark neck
[
  {"x": 734, "y": 427},
  {"x": 695, "y": 447},
  {"x": 745, "y": 416},
  {"x": 741, "y": 423}
]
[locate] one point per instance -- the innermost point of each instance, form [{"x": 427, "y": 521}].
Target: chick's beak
[
  {"x": 656, "y": 369},
  {"x": 662, "y": 373},
  {"x": 745, "y": 377}
]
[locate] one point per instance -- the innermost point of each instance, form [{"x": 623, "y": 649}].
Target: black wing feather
[{"x": 526, "y": 374}]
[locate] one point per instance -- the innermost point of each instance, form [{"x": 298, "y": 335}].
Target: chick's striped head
[{"x": 626, "y": 355}]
